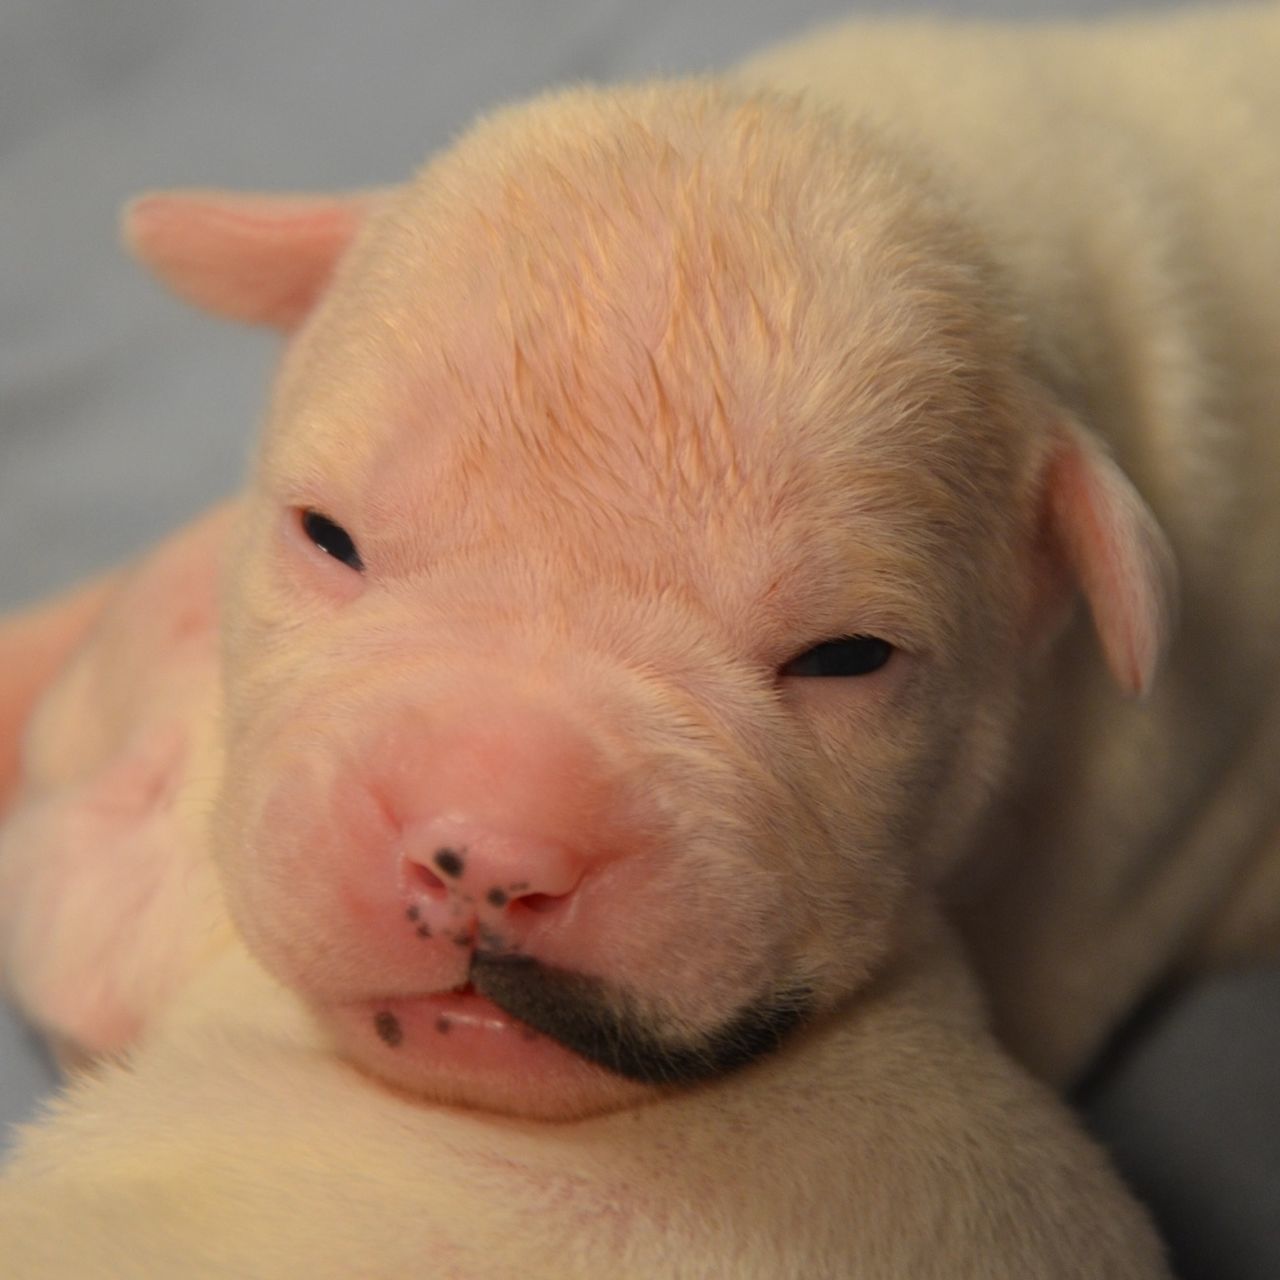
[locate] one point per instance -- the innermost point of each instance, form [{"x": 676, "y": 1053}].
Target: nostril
[
  {"x": 426, "y": 881},
  {"x": 539, "y": 902}
]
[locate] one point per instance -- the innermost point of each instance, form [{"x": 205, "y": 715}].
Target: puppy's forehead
[{"x": 673, "y": 303}]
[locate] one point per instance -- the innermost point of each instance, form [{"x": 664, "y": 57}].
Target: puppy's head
[{"x": 654, "y": 518}]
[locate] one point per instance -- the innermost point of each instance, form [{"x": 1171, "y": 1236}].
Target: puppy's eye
[
  {"x": 852, "y": 656},
  {"x": 331, "y": 538}
]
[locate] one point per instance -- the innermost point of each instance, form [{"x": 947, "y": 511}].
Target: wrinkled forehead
[{"x": 634, "y": 322}]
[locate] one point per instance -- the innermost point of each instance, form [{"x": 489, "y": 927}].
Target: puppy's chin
[{"x": 584, "y": 1015}]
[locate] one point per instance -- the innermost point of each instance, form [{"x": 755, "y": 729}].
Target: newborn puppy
[{"x": 649, "y": 607}]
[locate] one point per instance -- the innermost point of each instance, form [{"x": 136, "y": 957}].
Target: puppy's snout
[{"x": 496, "y": 823}]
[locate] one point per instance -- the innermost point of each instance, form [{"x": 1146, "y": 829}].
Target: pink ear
[
  {"x": 1115, "y": 552},
  {"x": 256, "y": 258}
]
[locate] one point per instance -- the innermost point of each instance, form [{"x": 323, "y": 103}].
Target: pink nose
[
  {"x": 497, "y": 816},
  {"x": 456, "y": 873}
]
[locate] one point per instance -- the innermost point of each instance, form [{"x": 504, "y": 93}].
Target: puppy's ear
[
  {"x": 256, "y": 258},
  {"x": 1098, "y": 537}
]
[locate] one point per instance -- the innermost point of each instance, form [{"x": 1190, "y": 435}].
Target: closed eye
[
  {"x": 849, "y": 656},
  {"x": 331, "y": 538}
]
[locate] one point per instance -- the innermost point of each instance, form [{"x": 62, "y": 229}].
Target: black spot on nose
[
  {"x": 412, "y": 913},
  {"x": 424, "y": 931},
  {"x": 388, "y": 1027},
  {"x": 443, "y": 1024},
  {"x": 449, "y": 861},
  {"x": 497, "y": 897}
]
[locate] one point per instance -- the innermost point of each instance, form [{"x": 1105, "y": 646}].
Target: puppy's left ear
[
  {"x": 261, "y": 259},
  {"x": 1099, "y": 537}
]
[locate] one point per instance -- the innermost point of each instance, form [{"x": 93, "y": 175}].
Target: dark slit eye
[
  {"x": 331, "y": 538},
  {"x": 852, "y": 656}
]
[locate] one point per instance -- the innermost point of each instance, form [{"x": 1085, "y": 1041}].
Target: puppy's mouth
[
  {"x": 601, "y": 1024},
  {"x": 524, "y": 1038}
]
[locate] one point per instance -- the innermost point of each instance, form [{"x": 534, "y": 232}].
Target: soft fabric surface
[
  {"x": 123, "y": 414},
  {"x": 1191, "y": 1112}
]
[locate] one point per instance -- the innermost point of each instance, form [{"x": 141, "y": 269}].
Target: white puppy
[{"x": 646, "y": 617}]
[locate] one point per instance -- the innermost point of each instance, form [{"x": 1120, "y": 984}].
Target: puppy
[{"x": 649, "y": 610}]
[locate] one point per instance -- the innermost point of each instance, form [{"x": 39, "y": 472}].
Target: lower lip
[{"x": 459, "y": 1048}]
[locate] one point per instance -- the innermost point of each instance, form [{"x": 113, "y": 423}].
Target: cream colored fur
[{"x": 632, "y": 397}]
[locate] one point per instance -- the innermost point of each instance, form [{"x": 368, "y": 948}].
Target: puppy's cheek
[
  {"x": 288, "y": 876},
  {"x": 264, "y": 894}
]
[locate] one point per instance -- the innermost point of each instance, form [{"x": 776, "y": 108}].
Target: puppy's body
[{"x": 796, "y": 843}]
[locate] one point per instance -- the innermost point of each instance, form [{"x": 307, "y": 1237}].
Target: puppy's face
[{"x": 626, "y": 622}]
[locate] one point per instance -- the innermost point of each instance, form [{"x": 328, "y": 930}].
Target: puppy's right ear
[
  {"x": 1099, "y": 538},
  {"x": 256, "y": 258}
]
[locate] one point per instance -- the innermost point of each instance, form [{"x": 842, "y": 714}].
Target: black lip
[{"x": 598, "y": 1023}]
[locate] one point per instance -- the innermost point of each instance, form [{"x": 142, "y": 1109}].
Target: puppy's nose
[
  {"x": 494, "y": 818},
  {"x": 455, "y": 871}
]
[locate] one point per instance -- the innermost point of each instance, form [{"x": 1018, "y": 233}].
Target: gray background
[{"x": 121, "y": 414}]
